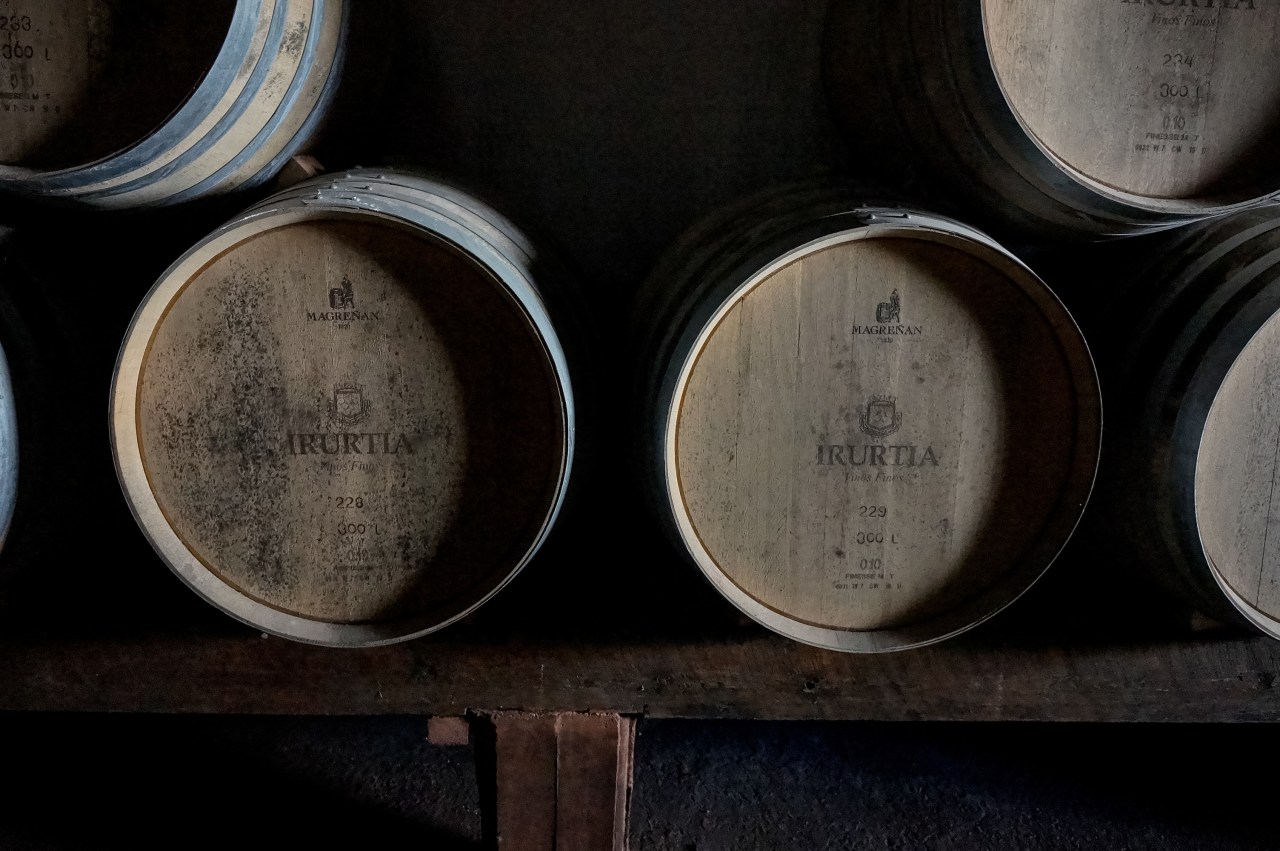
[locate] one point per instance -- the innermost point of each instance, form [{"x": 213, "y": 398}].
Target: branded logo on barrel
[
  {"x": 344, "y": 410},
  {"x": 889, "y": 311},
  {"x": 888, "y": 321},
  {"x": 341, "y": 298},
  {"x": 881, "y": 417},
  {"x": 348, "y": 407},
  {"x": 342, "y": 307}
]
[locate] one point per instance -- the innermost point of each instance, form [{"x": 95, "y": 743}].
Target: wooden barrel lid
[
  {"x": 880, "y": 441},
  {"x": 1159, "y": 100},
  {"x": 343, "y": 422},
  {"x": 1236, "y": 472},
  {"x": 78, "y": 78}
]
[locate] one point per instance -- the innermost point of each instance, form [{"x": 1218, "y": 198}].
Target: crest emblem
[
  {"x": 341, "y": 298},
  {"x": 348, "y": 406},
  {"x": 881, "y": 417},
  {"x": 889, "y": 311}
]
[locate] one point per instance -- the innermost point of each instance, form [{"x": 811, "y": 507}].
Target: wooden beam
[
  {"x": 753, "y": 675},
  {"x": 561, "y": 781},
  {"x": 448, "y": 731},
  {"x": 594, "y": 788},
  {"x": 525, "y": 781}
]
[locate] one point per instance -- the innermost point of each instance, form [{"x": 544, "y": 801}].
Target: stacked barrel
[
  {"x": 346, "y": 417},
  {"x": 351, "y": 414},
  {"x": 872, "y": 428},
  {"x": 88, "y": 120}
]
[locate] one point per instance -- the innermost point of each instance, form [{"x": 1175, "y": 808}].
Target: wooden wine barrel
[
  {"x": 117, "y": 104},
  {"x": 870, "y": 428},
  {"x": 1104, "y": 118},
  {"x": 346, "y": 417},
  {"x": 1192, "y": 480}
]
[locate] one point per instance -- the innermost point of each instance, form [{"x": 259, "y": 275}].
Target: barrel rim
[
  {"x": 213, "y": 86},
  {"x": 1227, "y": 349},
  {"x": 1202, "y": 206},
  {"x": 11, "y": 443},
  {"x": 188, "y": 139},
  {"x": 144, "y": 506},
  {"x": 299, "y": 107},
  {"x": 1013, "y": 582}
]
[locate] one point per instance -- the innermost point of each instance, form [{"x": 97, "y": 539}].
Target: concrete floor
[{"x": 92, "y": 782}]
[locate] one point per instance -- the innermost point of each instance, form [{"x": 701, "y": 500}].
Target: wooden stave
[
  {"x": 171, "y": 165},
  {"x": 494, "y": 245},
  {"x": 673, "y": 302},
  {"x": 958, "y": 121},
  {"x": 1176, "y": 352},
  {"x": 722, "y": 273},
  {"x": 1214, "y": 287}
]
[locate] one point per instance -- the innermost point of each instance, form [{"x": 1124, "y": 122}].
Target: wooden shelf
[
  {"x": 608, "y": 618},
  {"x": 751, "y": 676},
  {"x": 645, "y": 636},
  {"x": 592, "y": 625}
]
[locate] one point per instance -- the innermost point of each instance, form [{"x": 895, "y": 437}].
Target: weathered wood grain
[
  {"x": 874, "y": 428},
  {"x": 1196, "y": 431},
  {"x": 1166, "y": 102},
  {"x": 595, "y": 777},
  {"x": 526, "y": 780},
  {"x": 343, "y": 428},
  {"x": 78, "y": 79},
  {"x": 561, "y": 780},
  {"x": 1072, "y": 117},
  {"x": 87, "y": 120},
  {"x": 744, "y": 676}
]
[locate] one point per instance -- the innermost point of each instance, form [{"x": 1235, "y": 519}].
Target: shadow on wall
[{"x": 608, "y": 127}]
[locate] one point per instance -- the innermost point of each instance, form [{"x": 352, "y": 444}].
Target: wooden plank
[
  {"x": 449, "y": 731},
  {"x": 594, "y": 786},
  {"x": 525, "y": 779},
  {"x": 560, "y": 781},
  {"x": 753, "y": 676}
]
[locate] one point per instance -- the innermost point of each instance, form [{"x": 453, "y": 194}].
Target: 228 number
[{"x": 348, "y": 502}]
